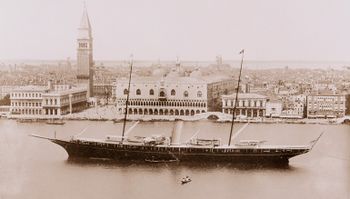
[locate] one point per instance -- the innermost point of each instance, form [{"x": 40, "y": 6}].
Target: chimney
[{"x": 176, "y": 134}]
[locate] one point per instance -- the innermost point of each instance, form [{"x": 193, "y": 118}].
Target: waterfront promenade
[{"x": 109, "y": 112}]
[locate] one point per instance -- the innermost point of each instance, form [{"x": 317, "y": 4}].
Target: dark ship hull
[{"x": 163, "y": 153}]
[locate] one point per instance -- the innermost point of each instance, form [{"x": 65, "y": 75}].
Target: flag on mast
[{"x": 241, "y": 52}]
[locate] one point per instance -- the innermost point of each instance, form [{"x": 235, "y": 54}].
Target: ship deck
[{"x": 183, "y": 146}]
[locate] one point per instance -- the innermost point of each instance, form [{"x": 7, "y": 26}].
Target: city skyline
[{"x": 192, "y": 30}]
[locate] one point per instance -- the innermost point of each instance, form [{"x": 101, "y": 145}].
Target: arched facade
[
  {"x": 182, "y": 96},
  {"x": 151, "y": 92}
]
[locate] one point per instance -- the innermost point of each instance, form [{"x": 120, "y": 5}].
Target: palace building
[
  {"x": 61, "y": 102},
  {"x": 47, "y": 101},
  {"x": 84, "y": 54},
  {"x": 250, "y": 105},
  {"x": 168, "y": 96}
]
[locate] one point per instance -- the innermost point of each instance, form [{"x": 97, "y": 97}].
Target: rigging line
[
  {"x": 313, "y": 142},
  {"x": 235, "y": 105},
  {"x": 173, "y": 155},
  {"x": 131, "y": 128},
  {"x": 127, "y": 98},
  {"x": 82, "y": 131},
  {"x": 194, "y": 135},
  {"x": 240, "y": 130}
]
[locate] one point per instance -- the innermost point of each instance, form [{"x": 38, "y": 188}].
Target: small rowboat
[{"x": 186, "y": 180}]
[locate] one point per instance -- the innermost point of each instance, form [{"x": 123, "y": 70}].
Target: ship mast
[
  {"x": 127, "y": 97},
  {"x": 235, "y": 105}
]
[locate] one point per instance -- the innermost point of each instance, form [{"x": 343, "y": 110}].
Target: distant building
[
  {"x": 4, "y": 110},
  {"x": 102, "y": 74},
  {"x": 294, "y": 106},
  {"x": 178, "y": 70},
  {"x": 325, "y": 106},
  {"x": 294, "y": 110},
  {"x": 56, "y": 103},
  {"x": 347, "y": 104},
  {"x": 84, "y": 54},
  {"x": 217, "y": 88},
  {"x": 103, "y": 90},
  {"x": 218, "y": 60},
  {"x": 168, "y": 96},
  {"x": 5, "y": 90},
  {"x": 249, "y": 105},
  {"x": 27, "y": 100},
  {"x": 298, "y": 98},
  {"x": 114, "y": 90},
  {"x": 46, "y": 101},
  {"x": 257, "y": 88},
  {"x": 273, "y": 108},
  {"x": 321, "y": 86}
]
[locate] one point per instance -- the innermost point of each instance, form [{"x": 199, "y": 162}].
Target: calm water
[{"x": 35, "y": 168}]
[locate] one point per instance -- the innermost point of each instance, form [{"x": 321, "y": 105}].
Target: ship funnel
[{"x": 176, "y": 134}]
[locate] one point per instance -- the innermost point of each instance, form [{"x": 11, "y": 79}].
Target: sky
[{"x": 298, "y": 30}]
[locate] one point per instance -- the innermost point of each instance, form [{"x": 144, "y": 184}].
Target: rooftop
[
  {"x": 65, "y": 92},
  {"x": 245, "y": 95},
  {"x": 31, "y": 88},
  {"x": 216, "y": 78},
  {"x": 155, "y": 80}
]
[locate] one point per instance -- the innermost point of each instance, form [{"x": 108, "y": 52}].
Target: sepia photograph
[{"x": 172, "y": 99}]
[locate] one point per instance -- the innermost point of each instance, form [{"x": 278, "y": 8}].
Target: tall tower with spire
[{"x": 84, "y": 53}]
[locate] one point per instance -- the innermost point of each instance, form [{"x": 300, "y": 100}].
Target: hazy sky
[{"x": 190, "y": 29}]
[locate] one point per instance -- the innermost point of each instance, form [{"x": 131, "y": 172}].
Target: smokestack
[{"x": 176, "y": 134}]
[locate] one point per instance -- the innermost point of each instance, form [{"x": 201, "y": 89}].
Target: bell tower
[{"x": 84, "y": 54}]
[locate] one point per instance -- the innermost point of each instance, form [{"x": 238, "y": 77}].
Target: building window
[
  {"x": 125, "y": 91},
  {"x": 173, "y": 92},
  {"x": 151, "y": 92},
  {"x": 138, "y": 92},
  {"x": 199, "y": 94},
  {"x": 82, "y": 45},
  {"x": 185, "y": 94},
  {"x": 162, "y": 94}
]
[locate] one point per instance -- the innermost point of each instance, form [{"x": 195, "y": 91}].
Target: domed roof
[
  {"x": 196, "y": 73},
  {"x": 177, "y": 71},
  {"x": 173, "y": 73},
  {"x": 158, "y": 72}
]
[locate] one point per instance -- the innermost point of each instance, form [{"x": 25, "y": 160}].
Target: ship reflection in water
[
  {"x": 35, "y": 168},
  {"x": 178, "y": 165}
]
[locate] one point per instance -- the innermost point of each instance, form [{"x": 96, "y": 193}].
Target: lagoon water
[{"x": 38, "y": 169}]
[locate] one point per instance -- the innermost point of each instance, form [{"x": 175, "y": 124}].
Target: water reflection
[{"x": 82, "y": 162}]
